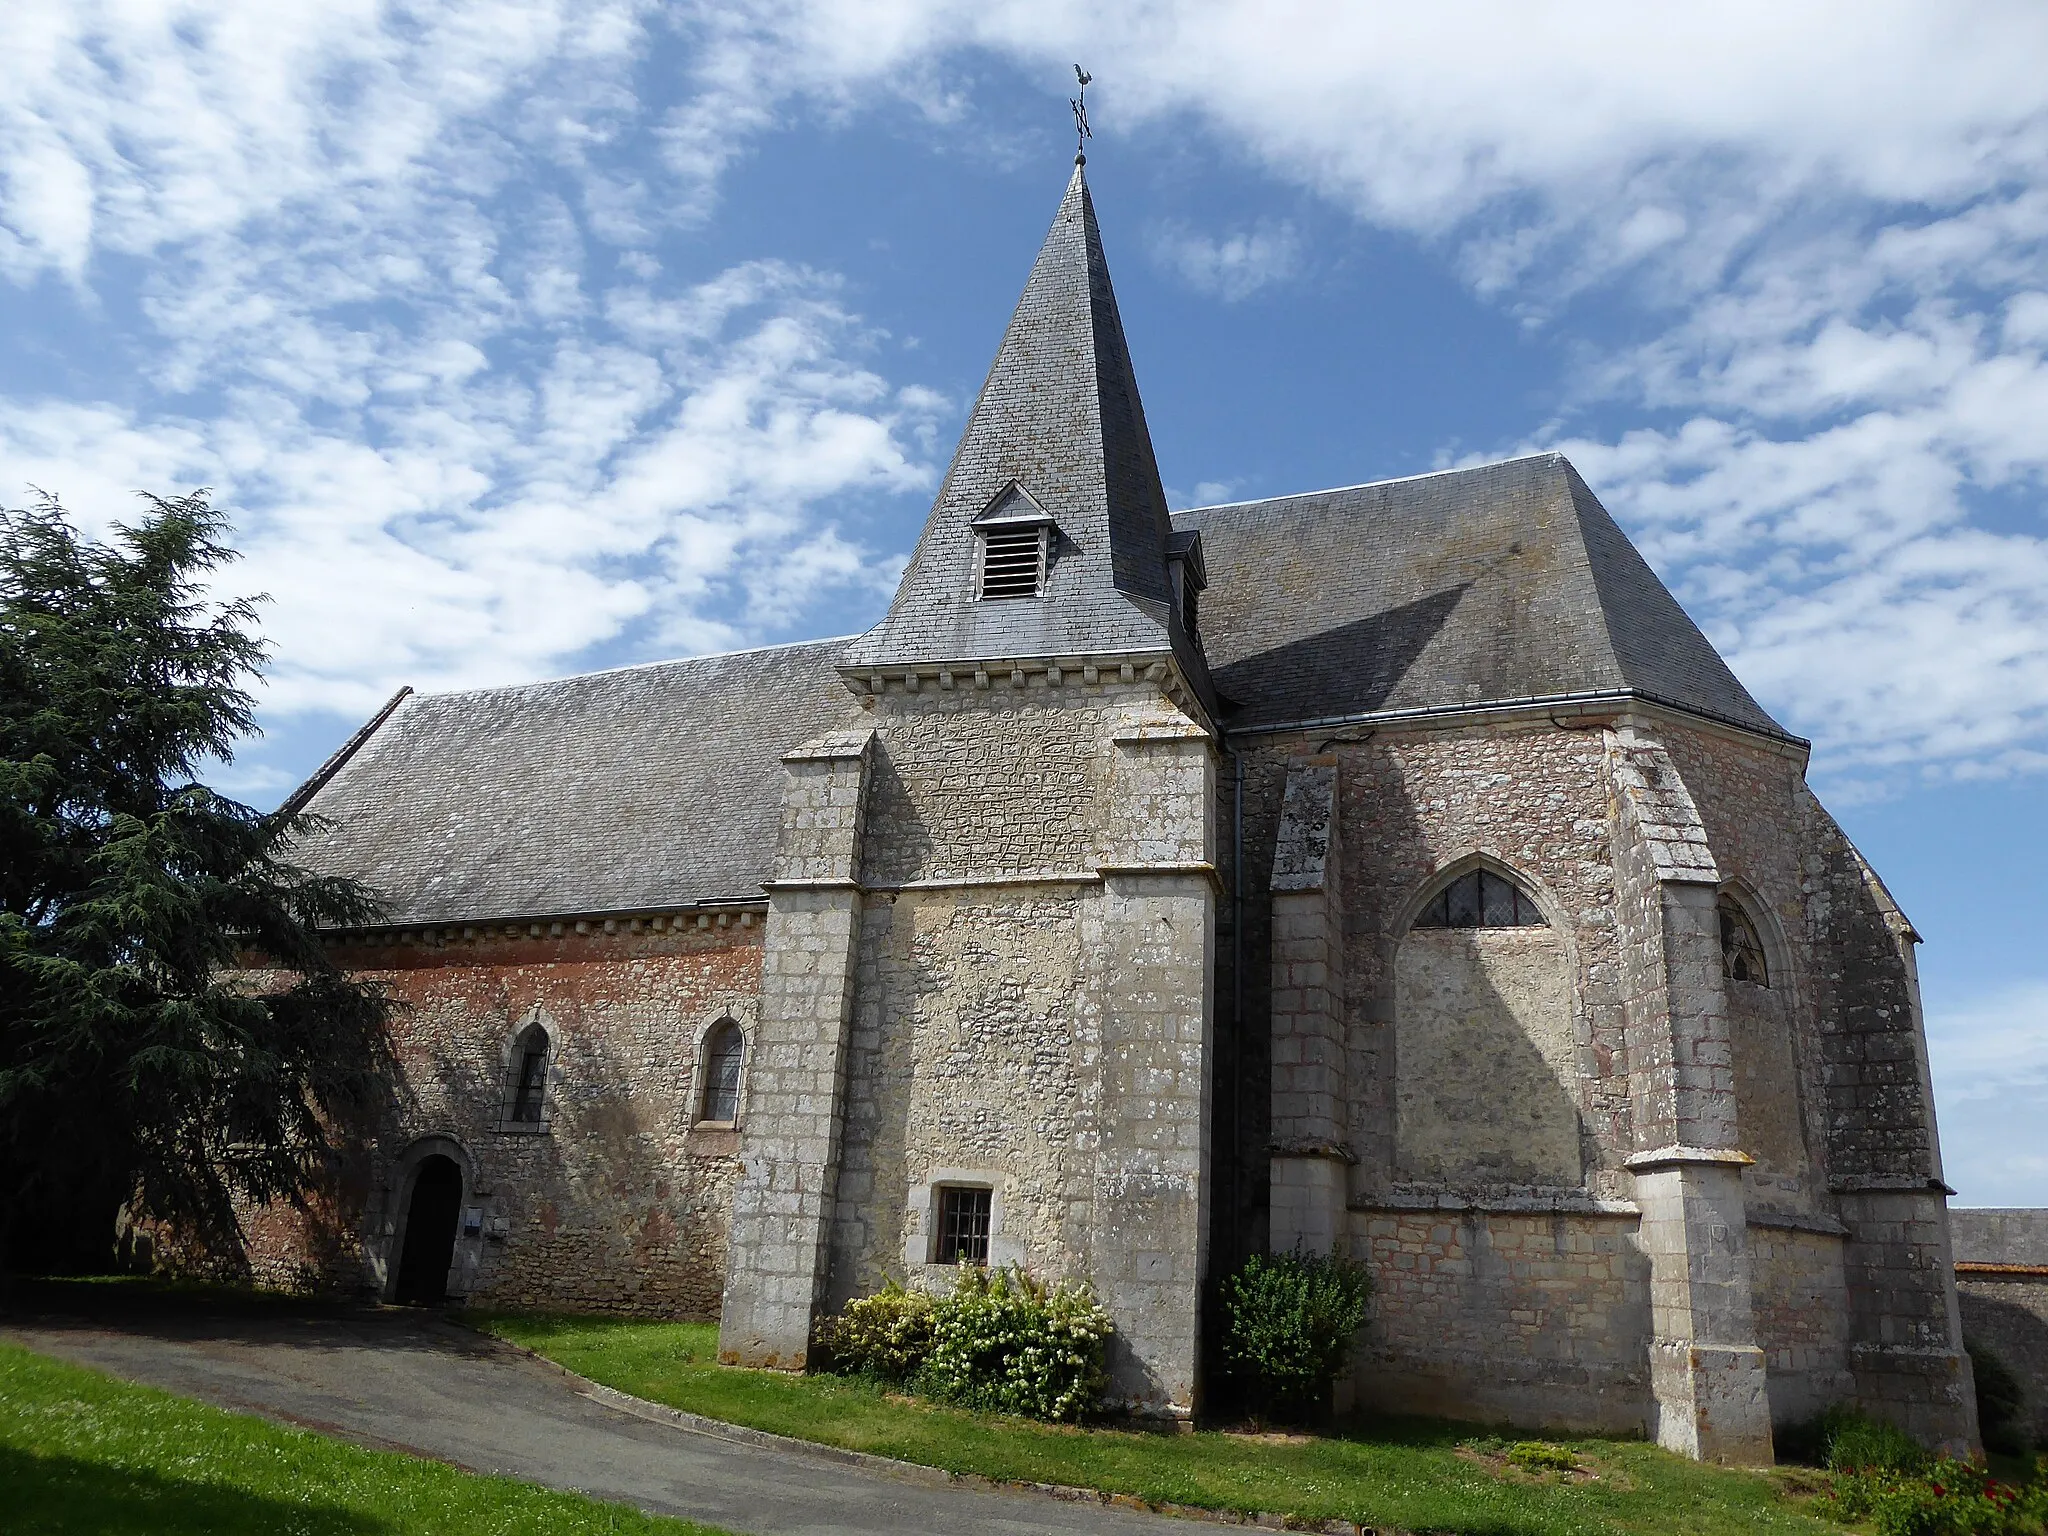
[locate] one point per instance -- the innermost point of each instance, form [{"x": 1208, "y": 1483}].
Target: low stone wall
[{"x": 2002, "y": 1283}]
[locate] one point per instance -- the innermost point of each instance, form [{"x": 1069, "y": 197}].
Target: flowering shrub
[
  {"x": 884, "y": 1337},
  {"x": 1007, "y": 1343},
  {"x": 1001, "y": 1341},
  {"x": 1946, "y": 1498},
  {"x": 1884, "y": 1476}
]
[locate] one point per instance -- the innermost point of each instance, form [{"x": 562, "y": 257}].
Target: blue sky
[{"x": 526, "y": 337}]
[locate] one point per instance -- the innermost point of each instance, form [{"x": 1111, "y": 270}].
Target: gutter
[{"x": 1609, "y": 696}]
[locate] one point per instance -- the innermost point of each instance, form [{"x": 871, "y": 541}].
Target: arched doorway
[{"x": 429, "y": 1232}]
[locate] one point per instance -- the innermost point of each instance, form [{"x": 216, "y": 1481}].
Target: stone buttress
[{"x": 1706, "y": 1369}]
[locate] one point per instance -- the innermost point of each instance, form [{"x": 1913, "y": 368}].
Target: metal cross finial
[{"x": 1082, "y": 132}]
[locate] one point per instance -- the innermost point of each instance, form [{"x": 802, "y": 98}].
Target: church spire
[{"x": 1050, "y": 535}]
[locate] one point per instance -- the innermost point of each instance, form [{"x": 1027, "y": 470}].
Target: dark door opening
[{"x": 430, "y": 1233}]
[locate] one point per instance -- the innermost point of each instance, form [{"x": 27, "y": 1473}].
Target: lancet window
[
  {"x": 530, "y": 1076},
  {"x": 1742, "y": 952},
  {"x": 1480, "y": 898},
  {"x": 724, "y": 1053}
]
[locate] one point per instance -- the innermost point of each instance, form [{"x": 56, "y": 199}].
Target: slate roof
[
  {"x": 649, "y": 787},
  {"x": 1503, "y": 582},
  {"x": 1059, "y": 415},
  {"x": 660, "y": 786}
]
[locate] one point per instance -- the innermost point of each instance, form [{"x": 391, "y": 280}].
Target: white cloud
[
  {"x": 1990, "y": 1062},
  {"x": 464, "y": 528},
  {"x": 1232, "y": 266},
  {"x": 463, "y": 441},
  {"x": 402, "y": 251}
]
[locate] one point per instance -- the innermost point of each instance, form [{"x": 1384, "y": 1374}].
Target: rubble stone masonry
[{"x": 617, "y": 1202}]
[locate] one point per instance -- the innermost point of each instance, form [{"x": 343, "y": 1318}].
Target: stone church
[{"x": 1394, "y": 869}]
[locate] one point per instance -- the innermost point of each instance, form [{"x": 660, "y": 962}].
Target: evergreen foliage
[
  {"x": 1288, "y": 1320},
  {"x": 1852, "y": 1441},
  {"x": 139, "y": 1063}
]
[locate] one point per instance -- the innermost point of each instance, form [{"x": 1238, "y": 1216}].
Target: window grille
[
  {"x": 1012, "y": 562},
  {"x": 1742, "y": 952},
  {"x": 530, "y": 1091},
  {"x": 723, "y": 1055},
  {"x": 963, "y": 1225},
  {"x": 1480, "y": 899}
]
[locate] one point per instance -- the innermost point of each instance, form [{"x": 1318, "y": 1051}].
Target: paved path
[{"x": 411, "y": 1382}]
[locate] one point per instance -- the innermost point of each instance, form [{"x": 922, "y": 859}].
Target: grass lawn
[
  {"x": 82, "y": 1452},
  {"x": 1422, "y": 1476}
]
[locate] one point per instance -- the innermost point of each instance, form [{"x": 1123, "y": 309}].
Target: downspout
[{"x": 1237, "y": 1001}]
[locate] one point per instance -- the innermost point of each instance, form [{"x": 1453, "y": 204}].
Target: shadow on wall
[
  {"x": 1466, "y": 1067},
  {"x": 1351, "y": 669},
  {"x": 2010, "y": 1317},
  {"x": 1484, "y": 1047}
]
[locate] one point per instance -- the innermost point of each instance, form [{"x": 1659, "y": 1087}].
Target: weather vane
[{"x": 1082, "y": 132}]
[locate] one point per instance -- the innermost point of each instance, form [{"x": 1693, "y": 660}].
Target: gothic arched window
[
  {"x": 1742, "y": 952},
  {"x": 530, "y": 1076},
  {"x": 1480, "y": 898},
  {"x": 725, "y": 1050}
]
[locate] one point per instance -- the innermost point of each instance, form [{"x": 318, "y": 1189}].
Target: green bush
[
  {"x": 1852, "y": 1441},
  {"x": 1944, "y": 1498},
  {"x": 2001, "y": 1402},
  {"x": 1541, "y": 1456},
  {"x": 1006, "y": 1343},
  {"x": 884, "y": 1337},
  {"x": 1000, "y": 1341},
  {"x": 1288, "y": 1323}
]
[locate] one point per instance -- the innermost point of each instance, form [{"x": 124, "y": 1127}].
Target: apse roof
[{"x": 1498, "y": 583}]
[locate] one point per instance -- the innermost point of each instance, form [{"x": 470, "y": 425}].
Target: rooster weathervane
[{"x": 1082, "y": 132}]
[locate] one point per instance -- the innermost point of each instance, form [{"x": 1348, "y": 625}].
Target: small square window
[{"x": 964, "y": 1212}]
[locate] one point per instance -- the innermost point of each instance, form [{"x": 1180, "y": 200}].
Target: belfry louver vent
[{"x": 1012, "y": 562}]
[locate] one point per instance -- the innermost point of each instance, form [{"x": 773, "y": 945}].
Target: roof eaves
[{"x": 1532, "y": 702}]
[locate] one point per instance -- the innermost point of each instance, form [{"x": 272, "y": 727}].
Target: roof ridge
[
  {"x": 1366, "y": 485},
  {"x": 637, "y": 666}
]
